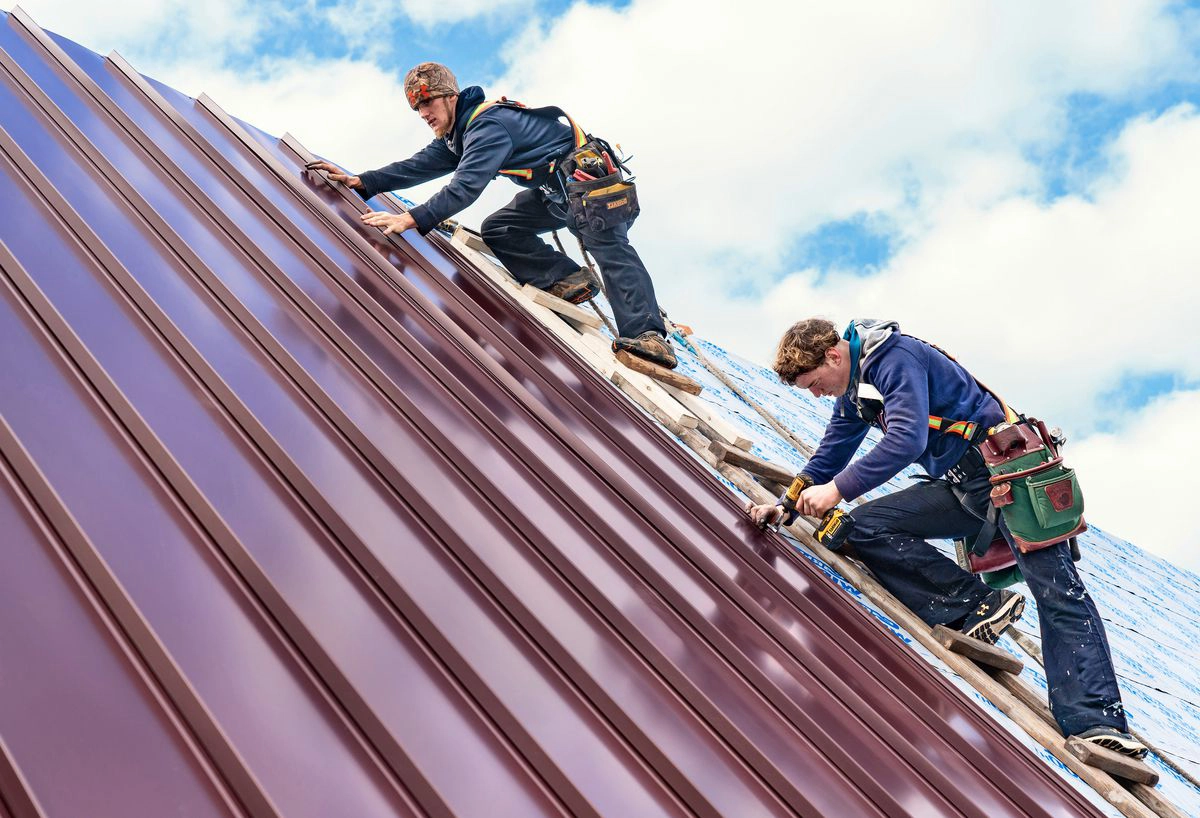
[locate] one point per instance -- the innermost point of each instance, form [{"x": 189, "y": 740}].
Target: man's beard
[{"x": 440, "y": 133}]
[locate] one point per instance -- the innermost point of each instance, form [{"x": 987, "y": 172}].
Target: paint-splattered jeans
[
  {"x": 889, "y": 535},
  {"x": 512, "y": 234}
]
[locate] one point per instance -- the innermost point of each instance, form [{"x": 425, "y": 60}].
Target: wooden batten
[
  {"x": 698, "y": 406},
  {"x": 466, "y": 237},
  {"x": 659, "y": 373},
  {"x": 564, "y": 308},
  {"x": 1112, "y": 762},
  {"x": 589, "y": 344},
  {"x": 977, "y": 651},
  {"x": 752, "y": 464}
]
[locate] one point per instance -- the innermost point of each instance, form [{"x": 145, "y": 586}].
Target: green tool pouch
[
  {"x": 609, "y": 200},
  {"x": 1038, "y": 496}
]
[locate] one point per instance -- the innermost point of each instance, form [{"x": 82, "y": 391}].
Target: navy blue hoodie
[
  {"x": 916, "y": 381},
  {"x": 498, "y": 139}
]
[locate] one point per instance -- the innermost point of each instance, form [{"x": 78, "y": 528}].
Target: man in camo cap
[
  {"x": 477, "y": 142},
  {"x": 429, "y": 81}
]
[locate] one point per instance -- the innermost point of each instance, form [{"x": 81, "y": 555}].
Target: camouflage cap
[{"x": 429, "y": 80}]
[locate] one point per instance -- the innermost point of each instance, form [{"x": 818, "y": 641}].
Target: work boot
[
  {"x": 650, "y": 346},
  {"x": 994, "y": 616},
  {"x": 577, "y": 287},
  {"x": 1110, "y": 738}
]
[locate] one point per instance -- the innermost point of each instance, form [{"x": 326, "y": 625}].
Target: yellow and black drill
[{"x": 834, "y": 527}]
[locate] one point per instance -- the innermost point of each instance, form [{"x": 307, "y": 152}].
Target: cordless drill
[{"x": 834, "y": 527}]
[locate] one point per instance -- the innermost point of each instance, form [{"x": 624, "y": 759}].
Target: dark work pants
[
  {"x": 512, "y": 234},
  {"x": 889, "y": 535}
]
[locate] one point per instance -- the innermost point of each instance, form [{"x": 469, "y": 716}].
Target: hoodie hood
[
  {"x": 468, "y": 98},
  {"x": 866, "y": 336}
]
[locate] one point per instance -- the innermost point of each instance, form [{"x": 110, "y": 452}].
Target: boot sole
[
  {"x": 586, "y": 295},
  {"x": 586, "y": 292},
  {"x": 1119, "y": 745},
  {"x": 665, "y": 364},
  {"x": 991, "y": 629}
]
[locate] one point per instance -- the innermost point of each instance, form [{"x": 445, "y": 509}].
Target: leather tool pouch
[{"x": 1038, "y": 496}]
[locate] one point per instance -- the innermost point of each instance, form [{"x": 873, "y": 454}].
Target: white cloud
[
  {"x": 362, "y": 23},
  {"x": 351, "y": 111},
  {"x": 1136, "y": 480},
  {"x": 137, "y": 28},
  {"x": 1051, "y": 304},
  {"x": 769, "y": 118}
]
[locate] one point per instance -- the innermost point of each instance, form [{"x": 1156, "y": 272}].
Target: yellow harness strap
[{"x": 526, "y": 173}]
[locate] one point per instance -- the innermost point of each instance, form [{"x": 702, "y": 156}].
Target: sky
[{"x": 1016, "y": 181}]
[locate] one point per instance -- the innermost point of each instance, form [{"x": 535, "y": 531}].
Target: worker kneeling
[{"x": 935, "y": 414}]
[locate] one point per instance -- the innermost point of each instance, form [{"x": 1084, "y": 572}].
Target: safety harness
[
  {"x": 551, "y": 111},
  {"x": 966, "y": 428},
  {"x": 867, "y": 397}
]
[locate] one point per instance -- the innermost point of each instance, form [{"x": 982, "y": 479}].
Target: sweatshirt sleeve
[
  {"x": 844, "y": 433},
  {"x": 486, "y": 147},
  {"x": 432, "y": 161},
  {"x": 904, "y": 385}
]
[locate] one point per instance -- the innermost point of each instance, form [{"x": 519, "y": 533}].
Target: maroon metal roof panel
[{"x": 322, "y": 524}]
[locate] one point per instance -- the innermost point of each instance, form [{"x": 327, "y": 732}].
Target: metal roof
[{"x": 300, "y": 522}]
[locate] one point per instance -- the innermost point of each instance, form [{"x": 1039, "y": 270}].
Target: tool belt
[
  {"x": 607, "y": 200},
  {"x": 1037, "y": 496}
]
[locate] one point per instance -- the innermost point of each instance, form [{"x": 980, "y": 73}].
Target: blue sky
[{"x": 1016, "y": 181}]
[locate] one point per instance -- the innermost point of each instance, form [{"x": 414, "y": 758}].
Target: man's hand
[
  {"x": 765, "y": 514},
  {"x": 817, "y": 500},
  {"x": 336, "y": 174},
  {"x": 389, "y": 222}
]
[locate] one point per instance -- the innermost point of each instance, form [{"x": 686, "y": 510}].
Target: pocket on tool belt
[
  {"x": 602, "y": 204},
  {"x": 1056, "y": 498}
]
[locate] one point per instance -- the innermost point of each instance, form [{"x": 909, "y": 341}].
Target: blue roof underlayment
[{"x": 1150, "y": 607}]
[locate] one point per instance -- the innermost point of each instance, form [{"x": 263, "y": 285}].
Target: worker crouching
[{"x": 935, "y": 414}]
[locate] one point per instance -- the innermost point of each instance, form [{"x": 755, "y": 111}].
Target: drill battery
[{"x": 834, "y": 527}]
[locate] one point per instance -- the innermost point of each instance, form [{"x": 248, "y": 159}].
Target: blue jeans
[
  {"x": 889, "y": 536},
  {"x": 512, "y": 234}
]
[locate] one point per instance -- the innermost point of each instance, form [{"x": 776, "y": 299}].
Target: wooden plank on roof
[
  {"x": 755, "y": 465},
  {"x": 659, "y": 373},
  {"x": 564, "y": 308},
  {"x": 704, "y": 410},
  {"x": 589, "y": 345},
  {"x": 1111, "y": 762},
  {"x": 466, "y": 237},
  {"x": 977, "y": 650}
]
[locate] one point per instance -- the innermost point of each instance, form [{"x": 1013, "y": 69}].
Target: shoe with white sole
[
  {"x": 1110, "y": 738},
  {"x": 994, "y": 616}
]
